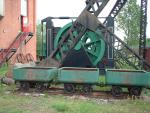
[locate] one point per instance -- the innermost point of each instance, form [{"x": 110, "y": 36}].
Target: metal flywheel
[{"x": 93, "y": 44}]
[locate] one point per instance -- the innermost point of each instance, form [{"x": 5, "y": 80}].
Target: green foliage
[
  {"x": 19, "y": 103},
  {"x": 3, "y": 70},
  {"x": 148, "y": 42},
  {"x": 60, "y": 106},
  {"x": 129, "y": 21},
  {"x": 40, "y": 41}
]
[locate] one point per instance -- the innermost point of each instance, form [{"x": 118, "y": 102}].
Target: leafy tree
[
  {"x": 147, "y": 42},
  {"x": 129, "y": 21},
  {"x": 40, "y": 42},
  {"x": 39, "y": 39}
]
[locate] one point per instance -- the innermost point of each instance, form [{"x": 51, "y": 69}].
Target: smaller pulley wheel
[
  {"x": 69, "y": 88},
  {"x": 39, "y": 87},
  {"x": 116, "y": 91},
  {"x": 136, "y": 91},
  {"x": 87, "y": 89},
  {"x": 24, "y": 86}
]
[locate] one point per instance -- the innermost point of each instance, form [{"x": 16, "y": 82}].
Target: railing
[{"x": 6, "y": 54}]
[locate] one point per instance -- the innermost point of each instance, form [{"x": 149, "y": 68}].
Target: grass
[
  {"x": 61, "y": 106},
  {"x": 17, "y": 103},
  {"x": 3, "y": 70}
]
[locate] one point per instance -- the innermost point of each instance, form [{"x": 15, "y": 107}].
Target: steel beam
[{"x": 116, "y": 9}]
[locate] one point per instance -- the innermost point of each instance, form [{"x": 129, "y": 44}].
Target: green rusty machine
[
  {"x": 91, "y": 45},
  {"x": 74, "y": 77},
  {"x": 84, "y": 51}
]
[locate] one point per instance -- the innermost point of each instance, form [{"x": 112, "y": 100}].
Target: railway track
[{"x": 94, "y": 94}]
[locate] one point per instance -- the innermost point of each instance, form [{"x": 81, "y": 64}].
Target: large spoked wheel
[
  {"x": 39, "y": 87},
  {"x": 87, "y": 89},
  {"x": 116, "y": 91},
  {"x": 92, "y": 42},
  {"x": 136, "y": 91},
  {"x": 69, "y": 88},
  {"x": 24, "y": 86}
]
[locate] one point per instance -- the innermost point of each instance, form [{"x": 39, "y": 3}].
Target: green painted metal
[
  {"x": 43, "y": 74},
  {"x": 94, "y": 46},
  {"x": 92, "y": 42},
  {"x": 78, "y": 75},
  {"x": 128, "y": 77},
  {"x": 63, "y": 30}
]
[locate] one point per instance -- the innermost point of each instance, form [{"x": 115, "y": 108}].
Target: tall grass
[{"x": 10, "y": 103}]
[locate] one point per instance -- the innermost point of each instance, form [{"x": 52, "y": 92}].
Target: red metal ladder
[{"x": 6, "y": 54}]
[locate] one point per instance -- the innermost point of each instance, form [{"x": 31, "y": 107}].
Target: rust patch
[
  {"x": 126, "y": 79},
  {"x": 31, "y": 74},
  {"x": 78, "y": 81}
]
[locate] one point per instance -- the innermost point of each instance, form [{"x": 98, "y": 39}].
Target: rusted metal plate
[
  {"x": 78, "y": 75},
  {"x": 34, "y": 73},
  {"x": 88, "y": 20},
  {"x": 127, "y": 77}
]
